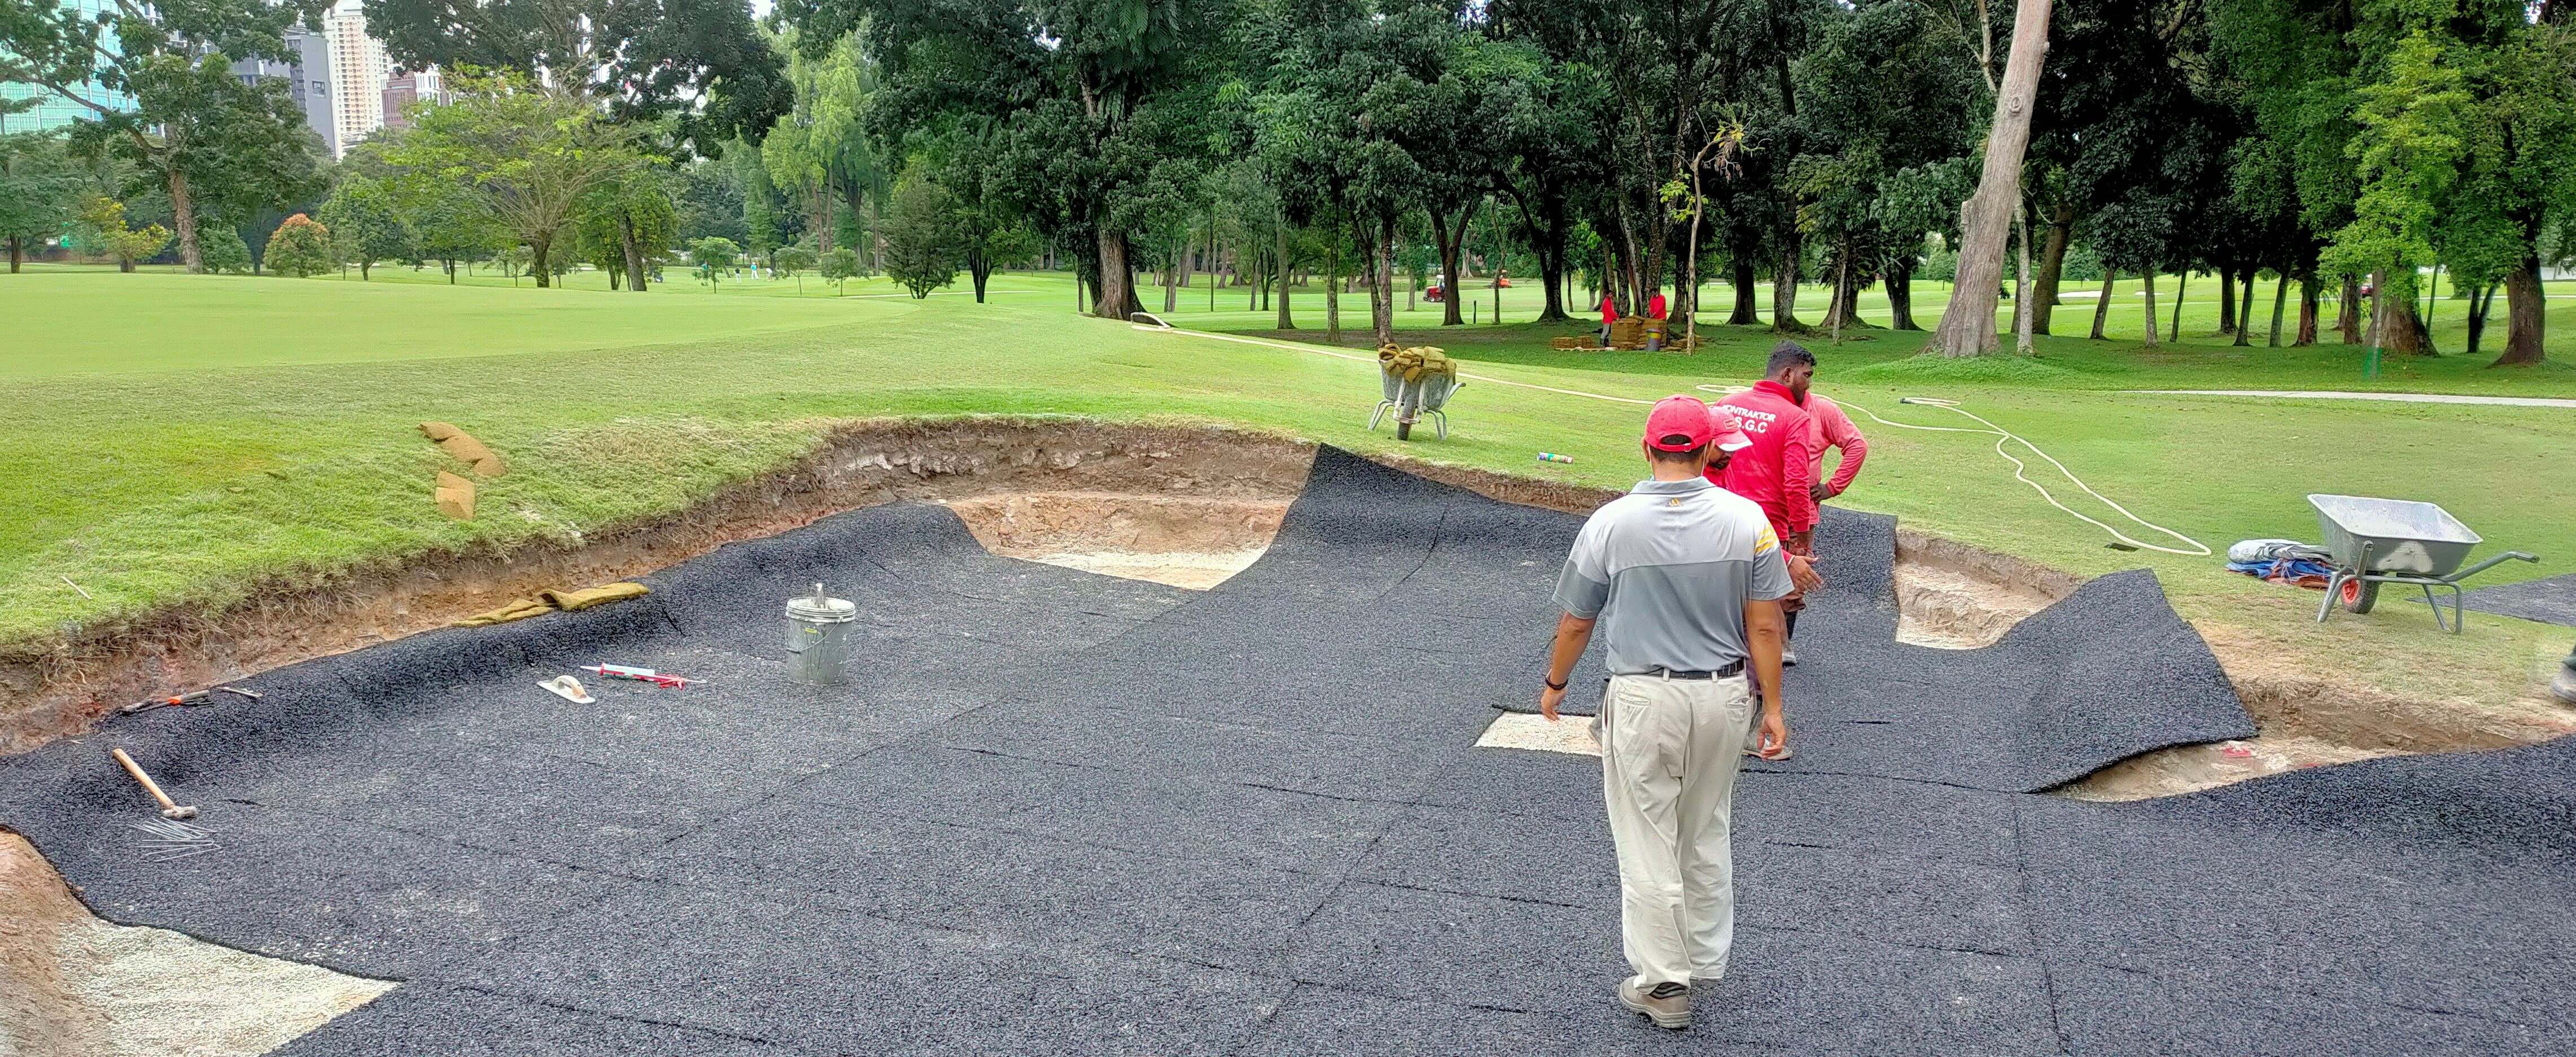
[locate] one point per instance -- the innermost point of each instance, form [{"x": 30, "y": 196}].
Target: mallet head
[{"x": 181, "y": 811}]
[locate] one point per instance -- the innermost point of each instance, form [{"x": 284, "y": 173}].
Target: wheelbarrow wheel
[{"x": 2357, "y": 595}]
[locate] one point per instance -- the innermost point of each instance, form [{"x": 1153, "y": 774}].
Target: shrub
[
  {"x": 300, "y": 248},
  {"x": 221, "y": 249}
]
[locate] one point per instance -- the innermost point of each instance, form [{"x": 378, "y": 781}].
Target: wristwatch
[{"x": 1553, "y": 686}]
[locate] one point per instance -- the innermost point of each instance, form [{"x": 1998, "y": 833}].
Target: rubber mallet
[{"x": 169, "y": 808}]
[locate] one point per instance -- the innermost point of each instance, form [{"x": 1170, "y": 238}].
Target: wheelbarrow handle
[{"x": 2491, "y": 563}]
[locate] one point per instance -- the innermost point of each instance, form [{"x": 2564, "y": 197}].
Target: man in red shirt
[
  {"x": 1834, "y": 429},
  {"x": 1778, "y": 472},
  {"x": 1655, "y": 332},
  {"x": 1609, "y": 315}
]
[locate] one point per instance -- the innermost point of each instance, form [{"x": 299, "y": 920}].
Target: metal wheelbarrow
[
  {"x": 2395, "y": 541},
  {"x": 1412, "y": 400}
]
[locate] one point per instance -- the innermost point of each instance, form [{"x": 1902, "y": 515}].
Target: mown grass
[{"x": 181, "y": 438}]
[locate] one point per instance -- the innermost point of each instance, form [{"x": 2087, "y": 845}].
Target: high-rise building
[
  {"x": 358, "y": 67},
  {"x": 406, "y": 87},
  {"x": 308, "y": 78},
  {"x": 51, "y": 109}
]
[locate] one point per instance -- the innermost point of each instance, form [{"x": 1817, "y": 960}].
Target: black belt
[{"x": 1728, "y": 672}]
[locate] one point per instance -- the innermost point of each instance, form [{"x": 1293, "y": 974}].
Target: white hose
[{"x": 2003, "y": 437}]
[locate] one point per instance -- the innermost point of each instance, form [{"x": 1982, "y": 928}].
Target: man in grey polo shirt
[{"x": 1684, "y": 579}]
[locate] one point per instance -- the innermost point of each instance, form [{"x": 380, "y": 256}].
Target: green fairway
[{"x": 181, "y": 438}]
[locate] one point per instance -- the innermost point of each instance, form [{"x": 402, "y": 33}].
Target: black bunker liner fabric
[
  {"x": 2548, "y": 599},
  {"x": 1060, "y": 813}
]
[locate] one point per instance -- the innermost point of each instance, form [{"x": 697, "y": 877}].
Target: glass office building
[{"x": 51, "y": 109}]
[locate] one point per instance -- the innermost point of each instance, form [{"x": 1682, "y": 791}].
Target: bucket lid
[{"x": 822, "y": 608}]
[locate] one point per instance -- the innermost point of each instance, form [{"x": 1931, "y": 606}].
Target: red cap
[
  {"x": 1685, "y": 417},
  {"x": 1730, "y": 431}
]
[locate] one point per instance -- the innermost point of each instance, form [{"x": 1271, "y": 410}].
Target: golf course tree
[
  {"x": 103, "y": 224},
  {"x": 710, "y": 257},
  {"x": 708, "y": 194},
  {"x": 626, "y": 224},
  {"x": 300, "y": 249},
  {"x": 211, "y": 143},
  {"x": 819, "y": 152},
  {"x": 770, "y": 218},
  {"x": 792, "y": 262},
  {"x": 1986, "y": 218},
  {"x": 1885, "y": 107},
  {"x": 223, "y": 252},
  {"x": 447, "y": 224},
  {"x": 920, "y": 233},
  {"x": 1096, "y": 95},
  {"x": 967, "y": 159},
  {"x": 366, "y": 225},
  {"x": 38, "y": 185},
  {"x": 528, "y": 156},
  {"x": 839, "y": 267},
  {"x": 700, "y": 63},
  {"x": 2466, "y": 142}
]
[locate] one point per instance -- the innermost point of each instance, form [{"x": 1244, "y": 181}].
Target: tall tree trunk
[
  {"x": 2182, "y": 286},
  {"x": 2280, "y": 305},
  {"x": 1452, "y": 278},
  {"x": 2147, "y": 283},
  {"x": 2308, "y": 294},
  {"x": 2227, "y": 301},
  {"x": 2052, "y": 266},
  {"x": 1842, "y": 311},
  {"x": 1985, "y": 219},
  {"x": 1742, "y": 279},
  {"x": 2348, "y": 311},
  {"x": 1333, "y": 295},
  {"x": 1546, "y": 230},
  {"x": 1117, "y": 298},
  {"x": 2481, "y": 298},
  {"x": 2245, "y": 311},
  {"x": 539, "y": 262},
  {"x": 1900, "y": 296},
  {"x": 1382, "y": 281},
  {"x": 2399, "y": 329},
  {"x": 183, "y": 208},
  {"x": 634, "y": 252},
  {"x": 823, "y": 232},
  {"x": 2525, "y": 321},
  {"x": 17, "y": 253},
  {"x": 2022, "y": 295},
  {"x": 2102, "y": 303},
  {"x": 1784, "y": 290},
  {"x": 1279, "y": 275}
]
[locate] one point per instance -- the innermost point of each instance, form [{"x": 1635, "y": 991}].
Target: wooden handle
[{"x": 136, "y": 770}]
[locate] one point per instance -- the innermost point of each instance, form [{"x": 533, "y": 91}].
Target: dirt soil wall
[{"x": 62, "y": 686}]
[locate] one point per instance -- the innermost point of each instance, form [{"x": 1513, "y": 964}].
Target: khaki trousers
[{"x": 1670, "y": 749}]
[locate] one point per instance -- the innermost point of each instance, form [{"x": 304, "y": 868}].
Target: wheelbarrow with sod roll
[
  {"x": 1415, "y": 382},
  {"x": 2370, "y": 542}
]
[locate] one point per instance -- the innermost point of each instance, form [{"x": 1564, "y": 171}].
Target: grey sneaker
[
  {"x": 2565, "y": 685},
  {"x": 1668, "y": 1005},
  {"x": 1788, "y": 655}
]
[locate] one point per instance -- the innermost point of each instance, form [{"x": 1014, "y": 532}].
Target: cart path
[{"x": 2402, "y": 398}]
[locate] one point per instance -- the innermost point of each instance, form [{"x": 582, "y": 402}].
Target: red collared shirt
[{"x": 1776, "y": 471}]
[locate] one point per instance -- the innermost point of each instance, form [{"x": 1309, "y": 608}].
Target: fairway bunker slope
[{"x": 1061, "y": 813}]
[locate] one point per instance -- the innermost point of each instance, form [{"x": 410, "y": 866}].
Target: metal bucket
[{"x": 819, "y": 628}]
